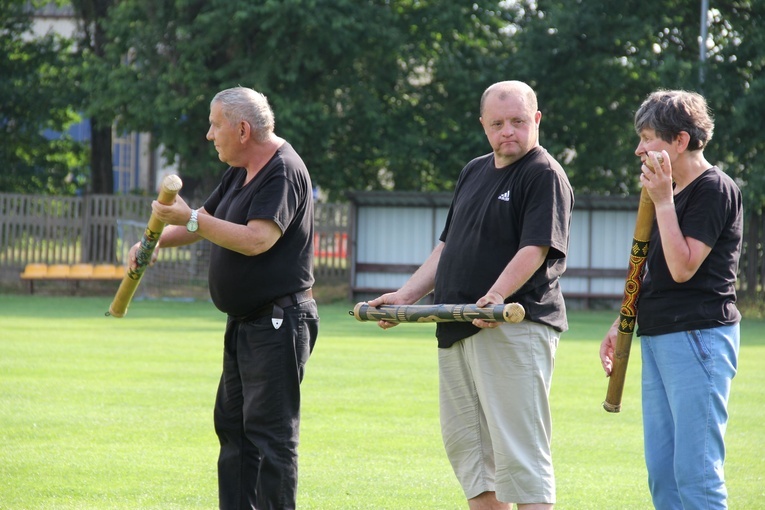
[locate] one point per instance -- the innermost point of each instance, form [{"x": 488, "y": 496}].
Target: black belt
[
  {"x": 294, "y": 299},
  {"x": 275, "y": 308}
]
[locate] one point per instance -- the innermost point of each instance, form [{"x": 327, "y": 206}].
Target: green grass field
[{"x": 98, "y": 412}]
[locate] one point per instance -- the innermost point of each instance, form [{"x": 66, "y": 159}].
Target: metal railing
[{"x": 100, "y": 228}]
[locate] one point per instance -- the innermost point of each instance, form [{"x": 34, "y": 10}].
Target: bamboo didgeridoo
[
  {"x": 511, "y": 312},
  {"x": 169, "y": 189},
  {"x": 628, "y": 311}
]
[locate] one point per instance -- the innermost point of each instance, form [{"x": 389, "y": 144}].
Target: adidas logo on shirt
[{"x": 504, "y": 196}]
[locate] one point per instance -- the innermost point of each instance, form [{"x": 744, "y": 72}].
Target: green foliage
[
  {"x": 735, "y": 86},
  {"x": 372, "y": 94},
  {"x": 35, "y": 96},
  {"x": 594, "y": 62},
  {"x": 383, "y": 94}
]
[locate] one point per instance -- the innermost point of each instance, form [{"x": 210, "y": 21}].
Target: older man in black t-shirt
[
  {"x": 260, "y": 222},
  {"x": 505, "y": 240}
]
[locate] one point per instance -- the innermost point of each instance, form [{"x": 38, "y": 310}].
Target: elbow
[
  {"x": 257, "y": 248},
  {"x": 251, "y": 251},
  {"x": 260, "y": 237},
  {"x": 682, "y": 271},
  {"x": 258, "y": 241},
  {"x": 681, "y": 275}
]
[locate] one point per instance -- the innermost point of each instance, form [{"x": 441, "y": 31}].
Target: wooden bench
[{"x": 70, "y": 272}]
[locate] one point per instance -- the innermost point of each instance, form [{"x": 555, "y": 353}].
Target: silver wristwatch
[{"x": 193, "y": 224}]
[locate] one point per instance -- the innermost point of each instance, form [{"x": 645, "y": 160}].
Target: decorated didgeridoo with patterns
[
  {"x": 511, "y": 312},
  {"x": 628, "y": 311},
  {"x": 169, "y": 189}
]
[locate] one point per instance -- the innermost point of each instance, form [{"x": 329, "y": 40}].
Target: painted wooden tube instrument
[
  {"x": 510, "y": 312},
  {"x": 169, "y": 189},
  {"x": 628, "y": 311}
]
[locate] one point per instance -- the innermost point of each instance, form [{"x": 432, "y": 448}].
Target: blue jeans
[
  {"x": 257, "y": 409},
  {"x": 686, "y": 384}
]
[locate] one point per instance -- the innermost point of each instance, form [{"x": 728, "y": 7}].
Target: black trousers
[{"x": 257, "y": 409}]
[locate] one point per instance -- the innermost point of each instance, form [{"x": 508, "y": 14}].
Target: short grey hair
[
  {"x": 245, "y": 104},
  {"x": 668, "y": 112}
]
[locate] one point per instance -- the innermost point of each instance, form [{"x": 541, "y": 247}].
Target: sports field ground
[{"x": 105, "y": 413}]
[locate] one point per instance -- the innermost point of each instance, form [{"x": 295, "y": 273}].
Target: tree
[
  {"x": 594, "y": 62},
  {"x": 380, "y": 94},
  {"x": 34, "y": 100},
  {"x": 735, "y": 86},
  {"x": 93, "y": 15},
  {"x": 373, "y": 94}
]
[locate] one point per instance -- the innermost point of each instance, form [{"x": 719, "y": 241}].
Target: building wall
[
  {"x": 600, "y": 240},
  {"x": 395, "y": 236},
  {"x": 390, "y": 241},
  {"x": 53, "y": 19}
]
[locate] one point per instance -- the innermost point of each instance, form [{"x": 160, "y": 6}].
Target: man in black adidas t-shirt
[{"x": 505, "y": 240}]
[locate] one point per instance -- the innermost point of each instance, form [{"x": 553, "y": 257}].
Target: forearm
[
  {"x": 257, "y": 237},
  {"x": 254, "y": 238},
  {"x": 176, "y": 235},
  {"x": 682, "y": 255},
  {"x": 519, "y": 270}
]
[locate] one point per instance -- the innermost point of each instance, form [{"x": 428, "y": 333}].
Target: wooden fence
[
  {"x": 101, "y": 228},
  {"x": 751, "y": 274}
]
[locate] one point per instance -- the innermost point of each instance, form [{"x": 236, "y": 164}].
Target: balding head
[{"x": 511, "y": 88}]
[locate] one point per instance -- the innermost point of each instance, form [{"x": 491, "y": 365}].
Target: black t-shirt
[
  {"x": 708, "y": 210},
  {"x": 281, "y": 192},
  {"x": 494, "y": 213}
]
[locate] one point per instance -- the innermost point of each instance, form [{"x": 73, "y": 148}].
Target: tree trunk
[
  {"x": 102, "y": 181},
  {"x": 102, "y": 173}
]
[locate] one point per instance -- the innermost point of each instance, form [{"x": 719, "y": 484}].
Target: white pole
[{"x": 703, "y": 41}]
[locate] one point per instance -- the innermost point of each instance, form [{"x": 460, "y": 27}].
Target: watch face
[{"x": 193, "y": 224}]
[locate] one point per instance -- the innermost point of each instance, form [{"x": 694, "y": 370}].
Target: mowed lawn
[{"x": 105, "y": 413}]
